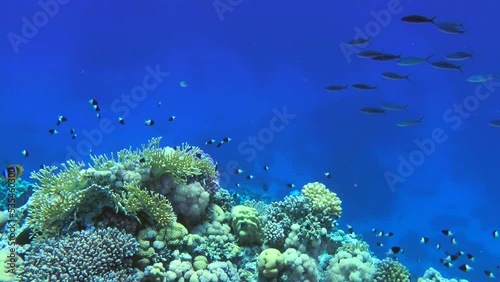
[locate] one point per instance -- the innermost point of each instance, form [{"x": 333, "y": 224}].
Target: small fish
[
  {"x": 471, "y": 257},
  {"x": 238, "y": 171},
  {"x": 266, "y": 168},
  {"x": 465, "y": 268},
  {"x": 380, "y": 234},
  {"x": 328, "y": 175},
  {"x": 93, "y": 102},
  {"x": 220, "y": 144},
  {"x": 16, "y": 170},
  {"x": 159, "y": 104},
  {"x": 393, "y": 107},
  {"x": 142, "y": 160},
  {"x": 395, "y": 250},
  {"x": 458, "y": 56},
  {"x": 460, "y": 253},
  {"x": 411, "y": 122},
  {"x": 489, "y": 274},
  {"x": 171, "y": 118},
  {"x": 74, "y": 136},
  {"x": 226, "y": 139},
  {"x": 53, "y": 131},
  {"x": 418, "y": 19},
  {"x": 368, "y": 54},
  {"x": 60, "y": 119},
  {"x": 183, "y": 84},
  {"x": 495, "y": 123},
  {"x": 451, "y": 258},
  {"x": 72, "y": 131},
  {"x": 121, "y": 121},
  {"x": 98, "y": 115},
  {"x": 438, "y": 247},
  {"x": 374, "y": 230},
  {"x": 25, "y": 153},
  {"x": 495, "y": 234},
  {"x": 359, "y": 41},
  {"x": 443, "y": 65},
  {"x": 389, "y": 234},
  {"x": 372, "y": 111},
  {"x": 210, "y": 142},
  {"x": 446, "y": 232},
  {"x": 395, "y": 76},
  {"x": 290, "y": 185},
  {"x": 448, "y": 264},
  {"x": 451, "y": 28},
  {"x": 386, "y": 57},
  {"x": 250, "y": 177},
  {"x": 149, "y": 122},
  {"x": 237, "y": 184},
  {"x": 424, "y": 240},
  {"x": 335, "y": 88},
  {"x": 350, "y": 229},
  {"x": 453, "y": 241},
  {"x": 362, "y": 86},
  {"x": 380, "y": 244},
  {"x": 412, "y": 61},
  {"x": 96, "y": 108},
  {"x": 479, "y": 78}
]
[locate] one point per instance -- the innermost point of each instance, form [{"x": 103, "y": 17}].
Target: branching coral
[{"x": 134, "y": 199}]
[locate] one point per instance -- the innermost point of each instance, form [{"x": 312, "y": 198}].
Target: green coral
[
  {"x": 247, "y": 224},
  {"x": 271, "y": 262},
  {"x": 181, "y": 163},
  {"x": 389, "y": 270},
  {"x": 56, "y": 196},
  {"x": 134, "y": 199},
  {"x": 322, "y": 199}
]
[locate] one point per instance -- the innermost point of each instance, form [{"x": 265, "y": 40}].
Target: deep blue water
[{"x": 244, "y": 65}]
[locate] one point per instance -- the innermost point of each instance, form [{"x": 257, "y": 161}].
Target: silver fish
[
  {"x": 393, "y": 107},
  {"x": 412, "y": 61},
  {"x": 411, "y": 122}
]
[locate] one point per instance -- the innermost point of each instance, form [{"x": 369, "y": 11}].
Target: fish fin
[
  {"x": 460, "y": 68},
  {"x": 432, "y": 20},
  {"x": 408, "y": 78},
  {"x": 428, "y": 58}
]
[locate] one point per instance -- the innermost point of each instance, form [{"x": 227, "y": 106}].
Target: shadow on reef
[{"x": 158, "y": 214}]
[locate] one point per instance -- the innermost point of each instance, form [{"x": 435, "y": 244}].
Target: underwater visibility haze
[{"x": 236, "y": 140}]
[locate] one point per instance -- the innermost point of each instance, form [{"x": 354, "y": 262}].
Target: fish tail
[
  {"x": 408, "y": 77},
  {"x": 428, "y": 58},
  {"x": 432, "y": 20},
  {"x": 460, "y": 68},
  {"x": 405, "y": 107},
  {"x": 420, "y": 120}
]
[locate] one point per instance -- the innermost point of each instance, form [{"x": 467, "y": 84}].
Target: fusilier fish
[
  {"x": 412, "y": 61},
  {"x": 411, "y": 122},
  {"x": 458, "y": 56}
]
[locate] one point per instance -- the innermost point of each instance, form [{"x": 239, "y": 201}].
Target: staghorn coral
[
  {"x": 323, "y": 200},
  {"x": 390, "y": 270},
  {"x": 101, "y": 255}
]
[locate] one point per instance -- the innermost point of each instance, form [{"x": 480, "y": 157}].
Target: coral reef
[
  {"x": 390, "y": 270},
  {"x": 101, "y": 255}
]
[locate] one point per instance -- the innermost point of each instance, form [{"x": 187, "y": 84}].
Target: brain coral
[{"x": 323, "y": 199}]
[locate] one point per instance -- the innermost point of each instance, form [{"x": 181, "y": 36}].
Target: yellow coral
[{"x": 323, "y": 199}]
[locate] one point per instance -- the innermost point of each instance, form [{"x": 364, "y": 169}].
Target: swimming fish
[
  {"x": 149, "y": 122},
  {"x": 93, "y": 102},
  {"x": 443, "y": 65},
  {"x": 495, "y": 234},
  {"x": 451, "y": 28},
  {"x": 395, "y": 250},
  {"x": 210, "y": 142},
  {"x": 358, "y": 41},
  {"x": 495, "y": 123},
  {"x": 25, "y": 153},
  {"x": 411, "y": 122},
  {"x": 446, "y": 232},
  {"x": 386, "y": 57},
  {"x": 395, "y": 76},
  {"x": 183, "y": 84},
  {"x": 121, "y": 121},
  {"x": 424, "y": 240},
  {"x": 372, "y": 111},
  {"x": 16, "y": 170},
  {"x": 393, "y": 107},
  {"x": 479, "y": 78},
  {"x": 363, "y": 86},
  {"x": 53, "y": 131},
  {"x": 328, "y": 175},
  {"x": 368, "y": 54},
  {"x": 266, "y": 168},
  {"x": 458, "y": 56},
  {"x": 489, "y": 274},
  {"x": 171, "y": 118},
  {"x": 465, "y": 268},
  {"x": 418, "y": 19},
  {"x": 60, "y": 119},
  {"x": 413, "y": 61},
  {"x": 335, "y": 88}
]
